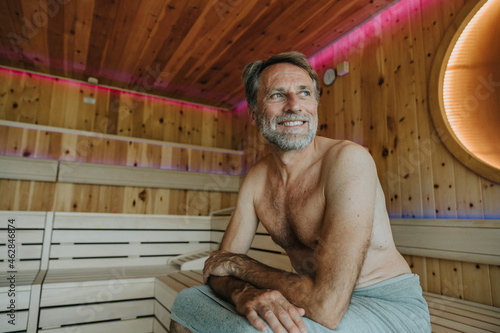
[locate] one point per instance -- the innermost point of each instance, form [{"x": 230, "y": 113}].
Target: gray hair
[{"x": 252, "y": 72}]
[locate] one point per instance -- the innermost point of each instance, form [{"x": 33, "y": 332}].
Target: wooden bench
[
  {"x": 447, "y": 314},
  {"x": 84, "y": 272},
  {"x": 102, "y": 267},
  {"x": 87, "y": 272},
  {"x": 20, "y": 268}
]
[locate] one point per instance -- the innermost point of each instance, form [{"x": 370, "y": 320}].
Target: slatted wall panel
[
  {"x": 45, "y": 196},
  {"x": 35, "y": 99},
  {"x": 382, "y": 104}
]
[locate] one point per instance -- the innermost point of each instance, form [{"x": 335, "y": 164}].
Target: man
[{"x": 319, "y": 199}]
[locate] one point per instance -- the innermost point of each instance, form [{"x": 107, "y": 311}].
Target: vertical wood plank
[
  {"x": 476, "y": 279},
  {"x": 495, "y": 284},
  {"x": 490, "y": 195},
  {"x": 451, "y": 278},
  {"x": 469, "y": 196},
  {"x": 418, "y": 266},
  {"x": 433, "y": 275}
]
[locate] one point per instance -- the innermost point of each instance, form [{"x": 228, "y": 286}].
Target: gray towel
[{"x": 394, "y": 305}]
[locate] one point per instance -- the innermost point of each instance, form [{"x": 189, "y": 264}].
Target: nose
[{"x": 292, "y": 103}]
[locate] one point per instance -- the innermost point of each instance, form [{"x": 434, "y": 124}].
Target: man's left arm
[{"x": 345, "y": 236}]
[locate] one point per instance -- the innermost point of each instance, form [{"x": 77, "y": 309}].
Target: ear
[{"x": 253, "y": 118}]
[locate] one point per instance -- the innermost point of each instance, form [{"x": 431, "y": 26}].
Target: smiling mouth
[{"x": 292, "y": 123}]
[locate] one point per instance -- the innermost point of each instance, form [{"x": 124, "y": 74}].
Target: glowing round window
[{"x": 464, "y": 91}]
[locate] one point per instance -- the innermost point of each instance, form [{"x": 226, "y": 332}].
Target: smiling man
[{"x": 319, "y": 199}]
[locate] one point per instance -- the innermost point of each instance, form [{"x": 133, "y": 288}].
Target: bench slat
[
  {"x": 162, "y": 315},
  {"x": 98, "y": 221},
  {"x": 80, "y": 293},
  {"x": 110, "y": 250},
  {"x": 184, "y": 279},
  {"x": 441, "y": 329},
  {"x": 140, "y": 325},
  {"x": 467, "y": 320},
  {"x": 463, "y": 304},
  {"x": 56, "y": 317},
  {"x": 107, "y": 262},
  {"x": 23, "y": 236},
  {"x": 21, "y": 322},
  {"x": 458, "y": 327},
  {"x": 158, "y": 327},
  {"x": 21, "y": 266},
  {"x": 24, "y": 220},
  {"x": 436, "y": 309},
  {"x": 22, "y": 300},
  {"x": 78, "y": 275},
  {"x": 120, "y": 236},
  {"x": 23, "y": 252},
  {"x": 195, "y": 275}
]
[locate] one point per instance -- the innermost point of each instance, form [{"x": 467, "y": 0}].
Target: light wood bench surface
[{"x": 116, "y": 272}]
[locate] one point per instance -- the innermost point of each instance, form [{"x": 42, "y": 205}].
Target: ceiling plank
[{"x": 192, "y": 50}]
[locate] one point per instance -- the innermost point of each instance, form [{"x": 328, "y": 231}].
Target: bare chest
[{"x": 293, "y": 217}]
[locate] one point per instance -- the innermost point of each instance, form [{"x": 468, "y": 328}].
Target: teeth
[{"x": 292, "y": 123}]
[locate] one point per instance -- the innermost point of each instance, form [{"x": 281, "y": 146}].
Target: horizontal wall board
[
  {"x": 90, "y": 173},
  {"x": 465, "y": 240},
  {"x": 64, "y": 220},
  {"x": 23, "y": 219},
  {"x": 26, "y": 168},
  {"x": 117, "y": 137}
]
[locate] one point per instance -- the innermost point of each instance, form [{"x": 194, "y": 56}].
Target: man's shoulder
[
  {"x": 259, "y": 169},
  {"x": 341, "y": 150}
]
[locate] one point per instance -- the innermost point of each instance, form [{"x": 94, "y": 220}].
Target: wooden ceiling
[{"x": 192, "y": 50}]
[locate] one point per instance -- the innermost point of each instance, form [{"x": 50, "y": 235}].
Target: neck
[{"x": 292, "y": 163}]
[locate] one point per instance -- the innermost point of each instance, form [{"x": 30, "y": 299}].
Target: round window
[{"x": 464, "y": 92}]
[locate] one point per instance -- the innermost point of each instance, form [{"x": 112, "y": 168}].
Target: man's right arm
[
  {"x": 249, "y": 300},
  {"x": 253, "y": 302}
]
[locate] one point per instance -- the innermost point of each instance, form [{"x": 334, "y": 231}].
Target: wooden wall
[
  {"x": 382, "y": 104},
  {"x": 35, "y": 100}
]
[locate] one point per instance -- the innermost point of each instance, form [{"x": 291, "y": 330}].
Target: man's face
[{"x": 287, "y": 114}]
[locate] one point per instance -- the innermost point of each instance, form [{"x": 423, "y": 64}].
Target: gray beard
[{"x": 290, "y": 139}]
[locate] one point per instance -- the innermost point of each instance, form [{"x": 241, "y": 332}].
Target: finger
[
  {"x": 272, "y": 320},
  {"x": 291, "y": 320},
  {"x": 206, "y": 275},
  {"x": 291, "y": 317},
  {"x": 300, "y": 311},
  {"x": 297, "y": 318},
  {"x": 255, "y": 320}
]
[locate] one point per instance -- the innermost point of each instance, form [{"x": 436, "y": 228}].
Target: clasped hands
[{"x": 271, "y": 305}]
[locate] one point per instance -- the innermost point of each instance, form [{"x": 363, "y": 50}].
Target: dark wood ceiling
[{"x": 192, "y": 50}]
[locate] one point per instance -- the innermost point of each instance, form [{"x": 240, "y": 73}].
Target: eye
[
  {"x": 305, "y": 93},
  {"x": 277, "y": 95}
]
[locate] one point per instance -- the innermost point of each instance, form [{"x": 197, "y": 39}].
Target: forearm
[
  {"x": 294, "y": 287},
  {"x": 251, "y": 302},
  {"x": 324, "y": 298},
  {"x": 300, "y": 290},
  {"x": 227, "y": 287}
]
